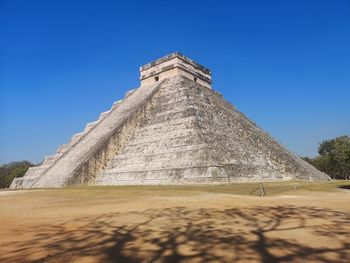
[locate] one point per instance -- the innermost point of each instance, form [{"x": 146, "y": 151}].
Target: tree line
[
  {"x": 12, "y": 170},
  {"x": 333, "y": 157}
]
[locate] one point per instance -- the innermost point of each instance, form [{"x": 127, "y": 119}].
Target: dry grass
[{"x": 251, "y": 189}]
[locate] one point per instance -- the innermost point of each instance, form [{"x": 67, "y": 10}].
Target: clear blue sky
[{"x": 286, "y": 64}]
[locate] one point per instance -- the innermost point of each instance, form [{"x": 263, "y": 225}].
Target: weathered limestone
[
  {"x": 192, "y": 135},
  {"x": 171, "y": 130},
  {"x": 173, "y": 65}
]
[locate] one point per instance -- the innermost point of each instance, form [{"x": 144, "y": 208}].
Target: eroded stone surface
[
  {"x": 175, "y": 131},
  {"x": 190, "y": 134}
]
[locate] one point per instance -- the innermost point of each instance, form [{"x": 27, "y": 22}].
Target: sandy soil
[{"x": 173, "y": 225}]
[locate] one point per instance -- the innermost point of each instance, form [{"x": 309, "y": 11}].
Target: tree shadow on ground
[
  {"x": 261, "y": 234},
  {"x": 347, "y": 186}
]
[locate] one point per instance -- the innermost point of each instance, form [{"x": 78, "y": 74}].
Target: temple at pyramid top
[
  {"x": 173, "y": 129},
  {"x": 174, "y": 64}
]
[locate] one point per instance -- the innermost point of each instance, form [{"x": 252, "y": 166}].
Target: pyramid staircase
[
  {"x": 173, "y": 129},
  {"x": 35, "y": 175}
]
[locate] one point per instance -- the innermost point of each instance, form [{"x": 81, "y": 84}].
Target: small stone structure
[
  {"x": 173, "y": 65},
  {"x": 173, "y": 129}
]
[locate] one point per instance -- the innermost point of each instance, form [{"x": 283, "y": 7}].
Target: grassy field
[
  {"x": 294, "y": 222},
  {"x": 249, "y": 189}
]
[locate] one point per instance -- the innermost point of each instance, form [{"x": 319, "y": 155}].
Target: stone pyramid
[{"x": 173, "y": 129}]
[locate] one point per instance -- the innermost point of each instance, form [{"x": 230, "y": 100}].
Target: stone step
[
  {"x": 182, "y": 175},
  {"x": 156, "y": 142},
  {"x": 129, "y": 92},
  {"x": 87, "y": 143},
  {"x": 103, "y": 114},
  {"x": 89, "y": 126},
  {"x": 76, "y": 137},
  {"x": 151, "y": 151},
  {"x": 180, "y": 149},
  {"x": 166, "y": 157},
  {"x": 34, "y": 172},
  {"x": 163, "y": 141},
  {"x": 155, "y": 135},
  {"x": 185, "y": 122},
  {"x": 116, "y": 103},
  {"x": 61, "y": 149},
  {"x": 170, "y": 111},
  {"x": 173, "y": 163},
  {"x": 50, "y": 159}
]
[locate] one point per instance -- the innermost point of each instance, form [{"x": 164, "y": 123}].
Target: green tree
[
  {"x": 12, "y": 170},
  {"x": 334, "y": 157}
]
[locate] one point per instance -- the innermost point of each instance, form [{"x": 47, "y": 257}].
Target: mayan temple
[{"x": 173, "y": 129}]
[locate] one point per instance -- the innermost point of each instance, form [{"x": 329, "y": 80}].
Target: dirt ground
[{"x": 295, "y": 222}]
